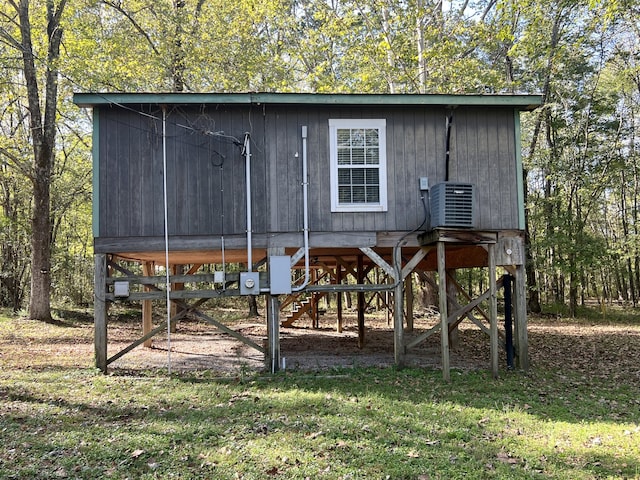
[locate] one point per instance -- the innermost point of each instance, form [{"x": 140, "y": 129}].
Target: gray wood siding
[
  {"x": 206, "y": 173},
  {"x": 206, "y": 192},
  {"x": 483, "y": 153}
]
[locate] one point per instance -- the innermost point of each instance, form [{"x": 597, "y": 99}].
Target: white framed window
[{"x": 358, "y": 154}]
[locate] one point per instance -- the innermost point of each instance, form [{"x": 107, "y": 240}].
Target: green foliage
[
  {"x": 580, "y": 153},
  {"x": 580, "y": 149}
]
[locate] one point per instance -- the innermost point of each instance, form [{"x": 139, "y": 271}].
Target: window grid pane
[
  {"x": 357, "y": 146},
  {"x": 358, "y": 185},
  {"x": 359, "y": 163}
]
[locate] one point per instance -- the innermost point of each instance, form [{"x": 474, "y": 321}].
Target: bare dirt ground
[
  {"x": 200, "y": 346},
  {"x": 593, "y": 348}
]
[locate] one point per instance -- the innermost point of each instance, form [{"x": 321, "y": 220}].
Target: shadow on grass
[
  {"x": 403, "y": 423},
  {"x": 407, "y": 420}
]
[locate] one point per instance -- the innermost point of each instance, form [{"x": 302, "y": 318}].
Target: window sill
[{"x": 356, "y": 208}]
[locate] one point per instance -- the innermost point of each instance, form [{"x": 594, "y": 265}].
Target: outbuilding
[{"x": 286, "y": 184}]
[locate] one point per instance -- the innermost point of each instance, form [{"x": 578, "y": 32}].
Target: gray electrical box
[
  {"x": 453, "y": 205},
  {"x": 280, "y": 274},
  {"x": 249, "y": 283},
  {"x": 121, "y": 289}
]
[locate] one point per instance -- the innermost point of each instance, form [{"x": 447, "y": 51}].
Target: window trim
[{"x": 381, "y": 125}]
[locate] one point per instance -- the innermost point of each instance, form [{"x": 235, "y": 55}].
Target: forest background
[{"x": 580, "y": 148}]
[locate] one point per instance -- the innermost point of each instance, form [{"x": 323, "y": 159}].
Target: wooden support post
[
  {"x": 339, "y": 298},
  {"x": 272, "y": 358},
  {"x": 147, "y": 306},
  {"x": 315, "y": 309},
  {"x": 452, "y": 304},
  {"x": 387, "y": 301},
  {"x": 100, "y": 311},
  {"x": 398, "y": 313},
  {"x": 493, "y": 309},
  {"x": 272, "y": 354},
  {"x": 314, "y": 300},
  {"x": 408, "y": 291},
  {"x": 444, "y": 325},
  {"x": 520, "y": 310},
  {"x": 361, "y": 302},
  {"x": 380, "y": 278},
  {"x": 174, "y": 309}
]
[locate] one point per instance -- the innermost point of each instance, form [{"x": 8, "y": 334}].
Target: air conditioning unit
[{"x": 453, "y": 205}]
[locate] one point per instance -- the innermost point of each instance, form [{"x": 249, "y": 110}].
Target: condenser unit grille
[{"x": 453, "y": 205}]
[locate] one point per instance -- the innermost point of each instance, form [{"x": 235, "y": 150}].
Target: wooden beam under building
[
  {"x": 444, "y": 324},
  {"x": 147, "y": 306},
  {"x": 100, "y": 311}
]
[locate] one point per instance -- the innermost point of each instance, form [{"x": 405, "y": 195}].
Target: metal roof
[{"x": 520, "y": 102}]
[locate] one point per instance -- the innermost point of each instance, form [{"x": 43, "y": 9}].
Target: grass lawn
[{"x": 575, "y": 415}]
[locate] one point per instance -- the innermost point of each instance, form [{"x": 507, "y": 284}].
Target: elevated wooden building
[{"x": 288, "y": 183}]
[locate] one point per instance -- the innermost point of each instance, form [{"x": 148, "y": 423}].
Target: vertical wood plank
[
  {"x": 493, "y": 309},
  {"x": 319, "y": 185},
  {"x": 444, "y": 326},
  {"x": 408, "y": 289},
  {"x": 361, "y": 303},
  {"x": 398, "y": 313},
  {"x": 313, "y": 300},
  {"x": 395, "y": 159},
  {"x": 174, "y": 309},
  {"x": 339, "y": 297},
  {"x": 463, "y": 146},
  {"x": 154, "y": 137},
  {"x": 505, "y": 209},
  {"x": 100, "y": 312},
  {"x": 272, "y": 142},
  {"x": 259, "y": 170},
  {"x": 522, "y": 347},
  {"x": 148, "y": 180},
  {"x": 147, "y": 306},
  {"x": 272, "y": 358},
  {"x": 452, "y": 292},
  {"x": 133, "y": 194}
]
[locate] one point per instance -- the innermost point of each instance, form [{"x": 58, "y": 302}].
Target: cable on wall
[{"x": 449, "y": 123}]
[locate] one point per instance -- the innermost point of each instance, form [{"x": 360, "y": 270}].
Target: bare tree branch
[
  {"x": 16, "y": 163},
  {"x": 118, "y": 7}
]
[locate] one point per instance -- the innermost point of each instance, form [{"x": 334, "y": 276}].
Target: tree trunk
[
  {"x": 39, "y": 300},
  {"x": 43, "y": 131},
  {"x": 253, "y": 306},
  {"x": 178, "y": 61},
  {"x": 573, "y": 286}
]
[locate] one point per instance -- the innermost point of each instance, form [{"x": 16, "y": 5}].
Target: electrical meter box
[{"x": 249, "y": 283}]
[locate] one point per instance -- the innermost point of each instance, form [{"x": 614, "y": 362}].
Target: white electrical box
[
  {"x": 218, "y": 277},
  {"x": 280, "y": 274},
  {"x": 424, "y": 183}
]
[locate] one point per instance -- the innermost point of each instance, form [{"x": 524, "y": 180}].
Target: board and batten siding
[
  {"x": 483, "y": 153},
  {"x": 206, "y": 173}
]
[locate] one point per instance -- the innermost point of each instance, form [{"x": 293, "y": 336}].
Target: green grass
[{"x": 60, "y": 418}]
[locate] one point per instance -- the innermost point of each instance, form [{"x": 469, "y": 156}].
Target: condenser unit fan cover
[{"x": 453, "y": 205}]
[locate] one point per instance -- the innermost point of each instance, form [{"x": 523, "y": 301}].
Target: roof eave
[{"x": 521, "y": 102}]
